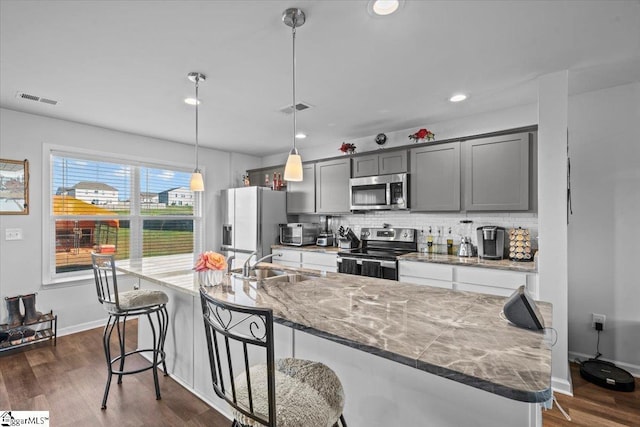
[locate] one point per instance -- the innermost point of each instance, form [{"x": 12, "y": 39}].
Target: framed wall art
[{"x": 14, "y": 187}]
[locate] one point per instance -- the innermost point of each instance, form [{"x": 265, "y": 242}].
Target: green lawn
[
  {"x": 157, "y": 242},
  {"x": 169, "y": 210}
]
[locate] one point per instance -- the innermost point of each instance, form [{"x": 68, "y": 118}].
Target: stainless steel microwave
[{"x": 381, "y": 192}]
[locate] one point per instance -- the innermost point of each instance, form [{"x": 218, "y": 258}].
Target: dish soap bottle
[
  {"x": 449, "y": 243},
  {"x": 430, "y": 242}
]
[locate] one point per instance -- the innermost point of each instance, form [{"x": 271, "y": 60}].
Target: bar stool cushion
[
  {"x": 139, "y": 298},
  {"x": 307, "y": 394}
]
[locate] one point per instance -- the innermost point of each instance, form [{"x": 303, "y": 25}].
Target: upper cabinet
[
  {"x": 497, "y": 173},
  {"x": 435, "y": 178},
  {"x": 332, "y": 186},
  {"x": 380, "y": 164},
  {"x": 301, "y": 196}
]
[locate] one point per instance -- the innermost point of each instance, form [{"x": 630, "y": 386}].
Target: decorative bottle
[
  {"x": 430, "y": 242},
  {"x": 449, "y": 243}
]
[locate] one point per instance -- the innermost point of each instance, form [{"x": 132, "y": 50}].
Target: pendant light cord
[
  {"x": 197, "y": 102},
  {"x": 293, "y": 31}
]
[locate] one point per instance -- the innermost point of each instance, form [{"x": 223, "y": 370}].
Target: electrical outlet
[
  {"x": 13, "y": 234},
  {"x": 598, "y": 318}
]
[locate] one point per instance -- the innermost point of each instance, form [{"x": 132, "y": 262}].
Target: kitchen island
[{"x": 406, "y": 354}]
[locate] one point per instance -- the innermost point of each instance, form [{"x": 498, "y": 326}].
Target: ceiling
[{"x": 123, "y": 64}]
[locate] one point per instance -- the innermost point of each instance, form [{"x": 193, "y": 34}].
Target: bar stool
[
  {"x": 307, "y": 393},
  {"x": 122, "y": 305}
]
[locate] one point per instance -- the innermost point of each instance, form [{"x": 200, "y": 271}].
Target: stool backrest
[
  {"x": 250, "y": 328},
  {"x": 104, "y": 272}
]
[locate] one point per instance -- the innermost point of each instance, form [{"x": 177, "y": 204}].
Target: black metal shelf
[{"x": 48, "y": 333}]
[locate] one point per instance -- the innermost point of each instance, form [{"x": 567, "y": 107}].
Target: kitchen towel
[
  {"x": 348, "y": 266},
  {"x": 371, "y": 269}
]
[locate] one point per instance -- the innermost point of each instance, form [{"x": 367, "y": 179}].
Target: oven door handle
[{"x": 383, "y": 264}]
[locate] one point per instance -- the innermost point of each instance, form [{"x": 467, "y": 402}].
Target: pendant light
[
  {"x": 196, "y": 183},
  {"x": 293, "y": 18}
]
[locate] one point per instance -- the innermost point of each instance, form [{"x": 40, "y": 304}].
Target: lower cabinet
[
  {"x": 287, "y": 257},
  {"x": 421, "y": 273},
  {"x": 322, "y": 261},
  {"x": 299, "y": 258},
  {"x": 473, "y": 279}
]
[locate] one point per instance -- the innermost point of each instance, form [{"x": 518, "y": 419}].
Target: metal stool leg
[
  {"x": 121, "y": 341},
  {"x": 106, "y": 338},
  {"x": 163, "y": 321},
  {"x": 156, "y": 346}
]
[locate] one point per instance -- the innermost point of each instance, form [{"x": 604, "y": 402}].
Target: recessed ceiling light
[
  {"x": 301, "y": 135},
  {"x": 192, "y": 101},
  {"x": 458, "y": 97},
  {"x": 383, "y": 7}
]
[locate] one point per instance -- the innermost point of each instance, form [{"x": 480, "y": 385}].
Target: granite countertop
[
  {"x": 309, "y": 248},
  {"x": 503, "y": 264},
  {"x": 457, "y": 335}
]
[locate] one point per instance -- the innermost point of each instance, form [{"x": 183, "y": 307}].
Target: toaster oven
[{"x": 299, "y": 233}]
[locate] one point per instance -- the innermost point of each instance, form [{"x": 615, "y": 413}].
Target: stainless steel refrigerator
[{"x": 250, "y": 221}]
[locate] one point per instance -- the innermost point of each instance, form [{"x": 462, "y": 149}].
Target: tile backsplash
[{"x": 422, "y": 221}]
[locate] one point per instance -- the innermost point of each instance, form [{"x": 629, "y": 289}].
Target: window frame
[{"x": 135, "y": 216}]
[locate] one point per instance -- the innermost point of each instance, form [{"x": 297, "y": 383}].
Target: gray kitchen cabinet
[
  {"x": 435, "y": 177},
  {"x": 332, "y": 186},
  {"x": 365, "y": 166},
  {"x": 301, "y": 196},
  {"x": 497, "y": 173},
  {"x": 380, "y": 164}
]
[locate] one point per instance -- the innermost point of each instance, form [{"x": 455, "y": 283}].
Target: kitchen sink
[
  {"x": 270, "y": 275},
  {"x": 289, "y": 278}
]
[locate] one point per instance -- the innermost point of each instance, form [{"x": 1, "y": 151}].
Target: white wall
[
  {"x": 604, "y": 230},
  {"x": 22, "y": 137}
]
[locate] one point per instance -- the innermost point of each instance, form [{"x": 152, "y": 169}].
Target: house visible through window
[{"x": 127, "y": 209}]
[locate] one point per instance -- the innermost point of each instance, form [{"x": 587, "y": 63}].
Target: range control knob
[{"x": 404, "y": 234}]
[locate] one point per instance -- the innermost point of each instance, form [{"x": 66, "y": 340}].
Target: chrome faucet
[
  {"x": 247, "y": 267},
  {"x": 229, "y": 259}
]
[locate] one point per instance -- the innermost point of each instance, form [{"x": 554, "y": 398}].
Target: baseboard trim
[
  {"x": 561, "y": 385},
  {"x": 82, "y": 327},
  {"x": 85, "y": 326},
  {"x": 632, "y": 369}
]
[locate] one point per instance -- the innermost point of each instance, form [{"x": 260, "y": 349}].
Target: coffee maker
[{"x": 491, "y": 242}]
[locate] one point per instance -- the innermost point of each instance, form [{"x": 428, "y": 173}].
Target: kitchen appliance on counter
[
  {"x": 491, "y": 242},
  {"x": 250, "y": 219},
  {"x": 299, "y": 233},
  {"x": 466, "y": 248},
  {"x": 378, "y": 256},
  {"x": 382, "y": 192},
  {"x": 324, "y": 239}
]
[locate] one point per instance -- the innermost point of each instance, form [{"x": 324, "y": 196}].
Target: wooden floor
[
  {"x": 595, "y": 406},
  {"x": 68, "y": 381}
]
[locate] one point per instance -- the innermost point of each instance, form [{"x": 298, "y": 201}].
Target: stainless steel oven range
[{"x": 378, "y": 256}]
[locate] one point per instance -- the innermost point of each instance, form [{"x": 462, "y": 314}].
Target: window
[{"x": 124, "y": 208}]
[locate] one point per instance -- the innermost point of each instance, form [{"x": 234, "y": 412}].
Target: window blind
[{"x": 120, "y": 208}]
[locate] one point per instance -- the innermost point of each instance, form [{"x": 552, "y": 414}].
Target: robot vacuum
[{"x": 606, "y": 374}]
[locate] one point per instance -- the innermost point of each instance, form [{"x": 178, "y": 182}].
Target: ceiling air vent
[
  {"x": 300, "y": 106},
  {"x": 23, "y": 95}
]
